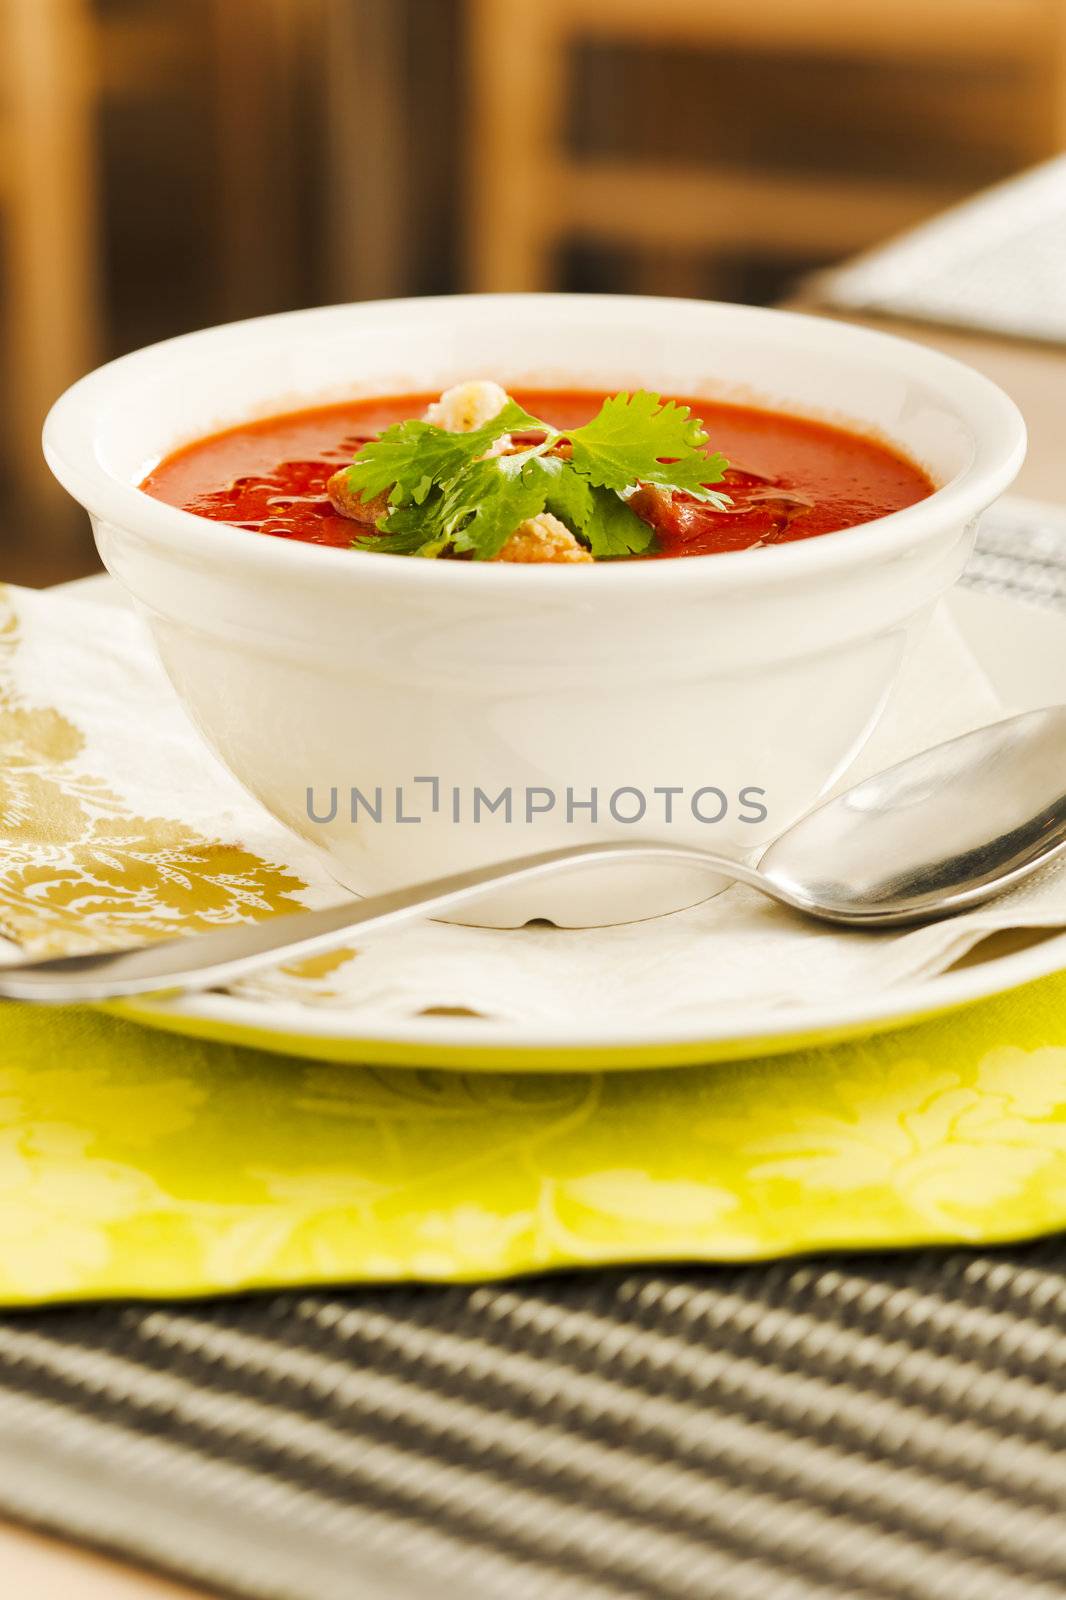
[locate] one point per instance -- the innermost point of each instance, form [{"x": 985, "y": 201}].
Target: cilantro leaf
[
  {"x": 639, "y": 438},
  {"x": 600, "y": 517},
  {"x": 406, "y": 461},
  {"x": 476, "y": 513},
  {"x": 412, "y": 530},
  {"x": 614, "y": 530},
  {"x": 484, "y": 505},
  {"x": 569, "y": 496},
  {"x": 512, "y": 419},
  {"x": 411, "y": 457}
]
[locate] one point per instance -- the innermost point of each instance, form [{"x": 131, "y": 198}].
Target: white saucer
[{"x": 1023, "y": 650}]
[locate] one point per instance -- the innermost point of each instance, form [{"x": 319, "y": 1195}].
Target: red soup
[{"x": 788, "y": 478}]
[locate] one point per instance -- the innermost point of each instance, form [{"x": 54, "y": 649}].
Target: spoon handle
[{"x": 207, "y": 960}]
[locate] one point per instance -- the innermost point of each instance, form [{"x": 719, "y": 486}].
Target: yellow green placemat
[{"x": 137, "y": 1163}]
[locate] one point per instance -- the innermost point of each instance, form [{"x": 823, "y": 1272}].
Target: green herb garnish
[{"x": 447, "y": 493}]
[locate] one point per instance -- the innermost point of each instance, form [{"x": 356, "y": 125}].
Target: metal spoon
[{"x": 936, "y": 834}]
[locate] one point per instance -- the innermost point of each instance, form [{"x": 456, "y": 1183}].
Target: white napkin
[{"x": 113, "y": 817}]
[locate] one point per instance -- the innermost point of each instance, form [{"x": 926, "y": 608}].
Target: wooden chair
[
  {"x": 52, "y": 331},
  {"x": 528, "y": 193},
  {"x": 60, "y": 60}
]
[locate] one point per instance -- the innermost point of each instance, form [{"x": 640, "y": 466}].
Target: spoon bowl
[{"x": 935, "y": 834}]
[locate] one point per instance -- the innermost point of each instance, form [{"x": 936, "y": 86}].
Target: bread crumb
[
  {"x": 543, "y": 538},
  {"x": 467, "y": 406},
  {"x": 349, "y": 504}
]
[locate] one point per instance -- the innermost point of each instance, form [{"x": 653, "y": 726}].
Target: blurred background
[{"x": 166, "y": 164}]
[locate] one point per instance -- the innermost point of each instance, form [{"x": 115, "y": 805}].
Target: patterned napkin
[
  {"x": 118, "y": 825},
  {"x": 133, "y": 1162},
  {"x": 137, "y": 1163}
]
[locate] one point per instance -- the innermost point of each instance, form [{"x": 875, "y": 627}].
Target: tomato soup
[{"x": 788, "y": 478}]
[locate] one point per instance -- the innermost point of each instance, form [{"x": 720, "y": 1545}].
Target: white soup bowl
[{"x": 309, "y": 670}]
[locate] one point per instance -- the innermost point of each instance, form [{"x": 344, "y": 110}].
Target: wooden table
[
  {"x": 33, "y": 1567},
  {"x": 36, "y": 1568}
]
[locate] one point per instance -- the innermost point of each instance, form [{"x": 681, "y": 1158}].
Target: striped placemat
[{"x": 863, "y": 1428}]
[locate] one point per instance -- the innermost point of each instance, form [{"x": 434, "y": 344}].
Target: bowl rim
[{"x": 993, "y": 420}]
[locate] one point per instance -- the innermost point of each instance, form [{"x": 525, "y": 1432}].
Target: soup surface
[{"x": 788, "y": 478}]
